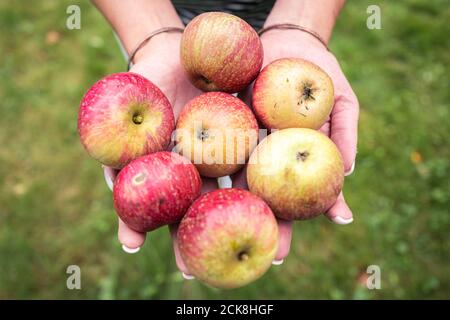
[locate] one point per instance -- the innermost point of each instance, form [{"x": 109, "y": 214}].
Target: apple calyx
[
  {"x": 307, "y": 92},
  {"x": 302, "y": 155},
  {"x": 243, "y": 255},
  {"x": 138, "y": 118}
]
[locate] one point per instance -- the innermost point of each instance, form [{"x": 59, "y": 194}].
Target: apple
[
  {"x": 299, "y": 172},
  {"x": 221, "y": 52},
  {"x": 155, "y": 190},
  {"x": 124, "y": 116},
  {"x": 293, "y": 93},
  {"x": 228, "y": 238},
  {"x": 217, "y": 132}
]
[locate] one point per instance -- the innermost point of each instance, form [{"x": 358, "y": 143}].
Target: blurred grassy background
[{"x": 55, "y": 209}]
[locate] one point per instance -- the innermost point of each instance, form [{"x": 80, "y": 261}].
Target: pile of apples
[{"x": 227, "y": 237}]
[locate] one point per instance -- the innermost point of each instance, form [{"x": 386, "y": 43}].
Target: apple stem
[{"x": 206, "y": 80}]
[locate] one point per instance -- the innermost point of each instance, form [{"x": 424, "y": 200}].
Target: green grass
[{"x": 55, "y": 209}]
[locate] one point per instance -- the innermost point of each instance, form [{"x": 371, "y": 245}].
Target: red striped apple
[
  {"x": 293, "y": 93},
  {"x": 221, "y": 52},
  {"x": 228, "y": 238},
  {"x": 217, "y": 132},
  {"x": 299, "y": 172},
  {"x": 155, "y": 190},
  {"x": 124, "y": 116}
]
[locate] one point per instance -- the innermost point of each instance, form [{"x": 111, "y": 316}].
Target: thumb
[
  {"x": 284, "y": 240},
  {"x": 173, "y": 228},
  {"x": 344, "y": 126}
]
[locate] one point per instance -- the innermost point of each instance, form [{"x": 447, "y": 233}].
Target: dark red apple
[
  {"x": 155, "y": 190},
  {"x": 124, "y": 116}
]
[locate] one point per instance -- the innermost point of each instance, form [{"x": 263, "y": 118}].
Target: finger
[
  {"x": 224, "y": 182},
  {"x": 131, "y": 240},
  {"x": 340, "y": 213},
  {"x": 110, "y": 175},
  {"x": 173, "y": 228},
  {"x": 344, "y": 126},
  {"x": 284, "y": 241},
  {"x": 325, "y": 129}
]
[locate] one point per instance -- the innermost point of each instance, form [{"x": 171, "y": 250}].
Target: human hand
[
  {"x": 342, "y": 124},
  {"x": 159, "y": 62}
]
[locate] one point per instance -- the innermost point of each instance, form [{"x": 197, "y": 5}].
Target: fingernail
[
  {"x": 277, "y": 262},
  {"x": 187, "y": 276},
  {"x": 224, "y": 182},
  {"x": 349, "y": 172},
  {"x": 130, "y": 250},
  {"x": 108, "y": 180},
  {"x": 340, "y": 220}
]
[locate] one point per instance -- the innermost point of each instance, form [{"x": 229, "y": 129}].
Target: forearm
[
  {"x": 317, "y": 15},
  {"x": 133, "y": 20}
]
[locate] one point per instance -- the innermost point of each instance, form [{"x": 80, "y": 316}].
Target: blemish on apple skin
[{"x": 139, "y": 178}]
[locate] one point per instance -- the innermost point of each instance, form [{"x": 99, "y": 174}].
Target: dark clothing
[{"x": 253, "y": 11}]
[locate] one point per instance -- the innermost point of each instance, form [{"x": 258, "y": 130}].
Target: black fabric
[{"x": 253, "y": 11}]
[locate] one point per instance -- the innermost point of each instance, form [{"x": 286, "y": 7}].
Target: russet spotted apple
[
  {"x": 299, "y": 173},
  {"x": 293, "y": 93},
  {"x": 221, "y": 52},
  {"x": 155, "y": 190},
  {"x": 217, "y": 132},
  {"x": 228, "y": 238},
  {"x": 124, "y": 116}
]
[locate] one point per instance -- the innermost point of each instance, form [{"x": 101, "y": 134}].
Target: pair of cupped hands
[{"x": 160, "y": 63}]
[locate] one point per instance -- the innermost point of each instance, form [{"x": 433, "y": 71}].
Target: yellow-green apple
[
  {"x": 155, "y": 190},
  {"x": 293, "y": 93},
  {"x": 221, "y": 52},
  {"x": 299, "y": 172},
  {"x": 124, "y": 116},
  {"x": 217, "y": 132},
  {"x": 228, "y": 238}
]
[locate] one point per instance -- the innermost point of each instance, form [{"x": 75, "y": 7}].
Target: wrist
[
  {"x": 289, "y": 35},
  {"x": 167, "y": 43},
  {"x": 318, "y": 16}
]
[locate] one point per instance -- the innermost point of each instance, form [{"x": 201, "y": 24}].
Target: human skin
[
  {"x": 159, "y": 61},
  {"x": 342, "y": 125}
]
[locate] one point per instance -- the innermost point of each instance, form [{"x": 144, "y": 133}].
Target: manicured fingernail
[
  {"x": 224, "y": 182},
  {"x": 349, "y": 172},
  {"x": 187, "y": 276},
  {"x": 108, "y": 180},
  {"x": 130, "y": 250},
  {"x": 340, "y": 220},
  {"x": 277, "y": 262}
]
